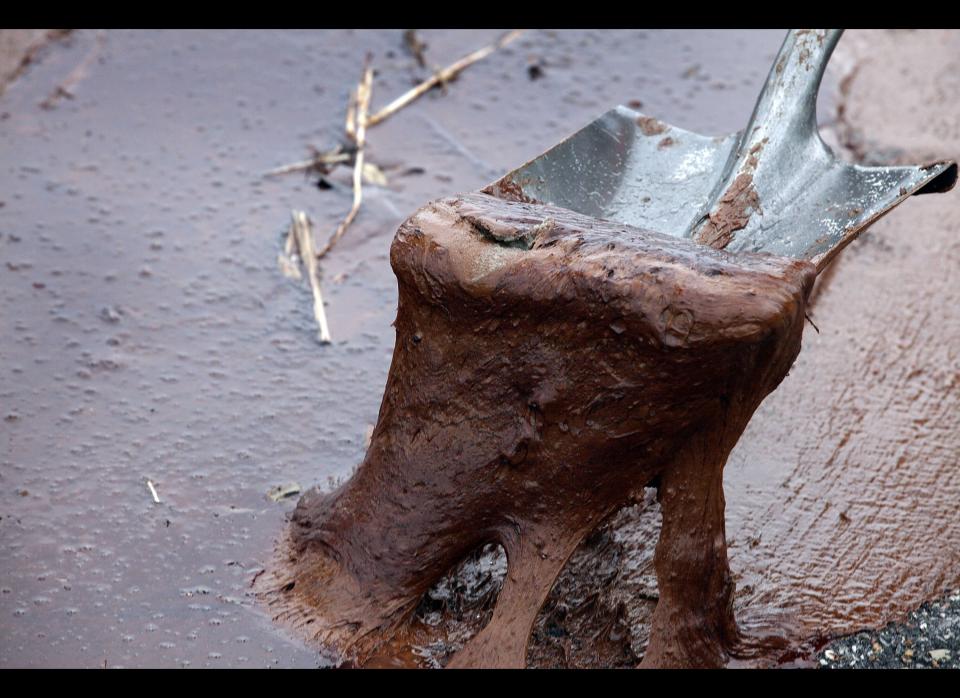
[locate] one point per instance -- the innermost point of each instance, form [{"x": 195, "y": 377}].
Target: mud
[{"x": 147, "y": 333}]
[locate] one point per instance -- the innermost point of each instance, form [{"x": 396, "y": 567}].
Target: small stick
[
  {"x": 255, "y": 577},
  {"x": 415, "y": 46},
  {"x": 153, "y": 492},
  {"x": 290, "y": 244},
  {"x": 300, "y": 227},
  {"x": 65, "y": 88},
  {"x": 334, "y": 157},
  {"x": 293, "y": 167},
  {"x": 360, "y": 122},
  {"x": 351, "y": 125},
  {"x": 441, "y": 77}
]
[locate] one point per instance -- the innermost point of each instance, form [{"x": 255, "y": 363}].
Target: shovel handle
[{"x": 787, "y": 106}]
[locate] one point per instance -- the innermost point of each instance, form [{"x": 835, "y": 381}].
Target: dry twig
[
  {"x": 320, "y": 162},
  {"x": 441, "y": 77},
  {"x": 415, "y": 46},
  {"x": 65, "y": 88},
  {"x": 34, "y": 49},
  {"x": 360, "y": 138},
  {"x": 358, "y": 120},
  {"x": 301, "y": 237},
  {"x": 153, "y": 491},
  {"x": 325, "y": 162},
  {"x": 351, "y": 126}
]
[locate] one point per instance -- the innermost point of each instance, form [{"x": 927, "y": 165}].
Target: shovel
[{"x": 774, "y": 187}]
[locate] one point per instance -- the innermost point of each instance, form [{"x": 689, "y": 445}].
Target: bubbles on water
[{"x": 115, "y": 362}]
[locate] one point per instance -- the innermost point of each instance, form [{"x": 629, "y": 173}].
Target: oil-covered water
[{"x": 147, "y": 333}]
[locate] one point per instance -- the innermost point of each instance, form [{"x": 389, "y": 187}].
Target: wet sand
[{"x": 147, "y": 332}]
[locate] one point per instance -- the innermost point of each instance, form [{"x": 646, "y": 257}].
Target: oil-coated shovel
[{"x": 773, "y": 187}]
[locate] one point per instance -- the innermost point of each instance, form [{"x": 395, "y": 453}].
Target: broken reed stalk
[
  {"x": 351, "y": 127},
  {"x": 65, "y": 88},
  {"x": 360, "y": 137},
  {"x": 334, "y": 157},
  {"x": 303, "y": 237},
  {"x": 290, "y": 244},
  {"x": 415, "y": 46},
  {"x": 442, "y": 76},
  {"x": 358, "y": 120}
]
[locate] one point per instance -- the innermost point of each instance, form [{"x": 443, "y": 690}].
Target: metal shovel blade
[{"x": 773, "y": 187}]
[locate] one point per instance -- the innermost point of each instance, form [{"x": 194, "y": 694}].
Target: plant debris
[
  {"x": 281, "y": 492},
  {"x": 31, "y": 55},
  {"x": 358, "y": 120},
  {"x": 65, "y": 88},
  {"x": 320, "y": 162},
  {"x": 360, "y": 107},
  {"x": 441, "y": 77},
  {"x": 416, "y": 47},
  {"x": 299, "y": 243},
  {"x": 374, "y": 175}
]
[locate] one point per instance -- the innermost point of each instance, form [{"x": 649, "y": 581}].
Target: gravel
[{"x": 929, "y": 638}]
